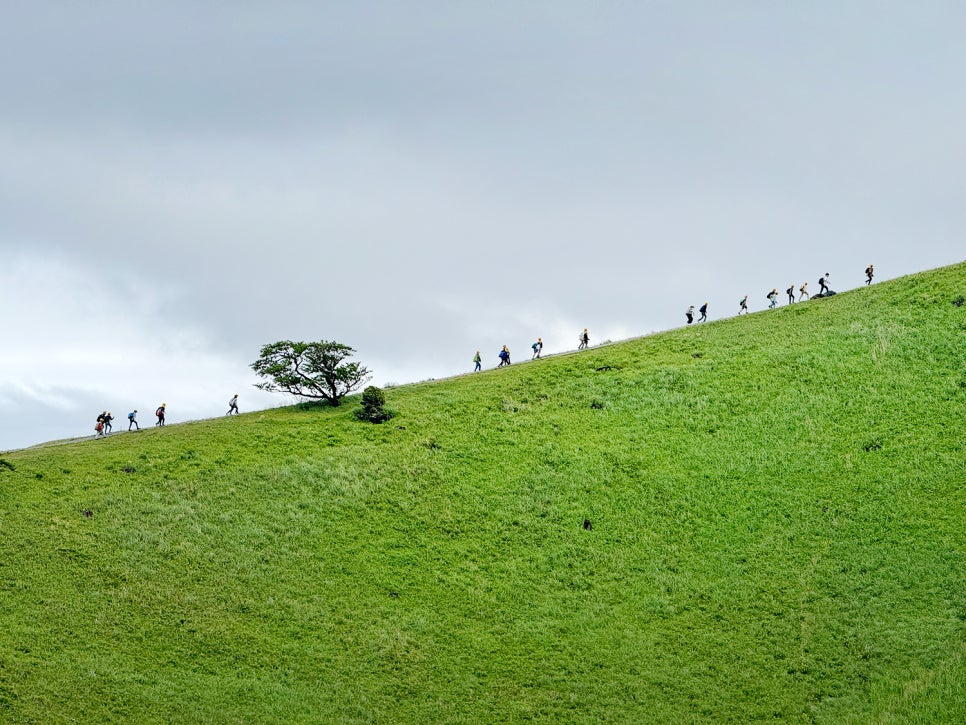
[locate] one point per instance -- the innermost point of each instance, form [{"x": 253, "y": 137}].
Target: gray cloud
[{"x": 421, "y": 180}]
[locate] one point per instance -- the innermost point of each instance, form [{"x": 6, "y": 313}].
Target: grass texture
[{"x": 777, "y": 531}]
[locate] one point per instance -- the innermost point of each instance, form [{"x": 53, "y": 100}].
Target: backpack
[
  {"x": 821, "y": 281},
  {"x": 130, "y": 416},
  {"x": 99, "y": 427},
  {"x": 159, "y": 412},
  {"x": 534, "y": 346}
]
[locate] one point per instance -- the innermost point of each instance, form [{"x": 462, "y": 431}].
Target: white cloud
[{"x": 74, "y": 334}]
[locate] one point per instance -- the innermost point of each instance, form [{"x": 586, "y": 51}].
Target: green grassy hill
[{"x": 778, "y": 532}]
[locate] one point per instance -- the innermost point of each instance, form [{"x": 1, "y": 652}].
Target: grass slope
[{"x": 778, "y": 531}]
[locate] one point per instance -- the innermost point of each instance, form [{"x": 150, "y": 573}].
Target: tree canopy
[{"x": 316, "y": 370}]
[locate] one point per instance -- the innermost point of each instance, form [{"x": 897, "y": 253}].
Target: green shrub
[{"x": 373, "y": 406}]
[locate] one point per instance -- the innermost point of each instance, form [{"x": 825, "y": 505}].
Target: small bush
[
  {"x": 373, "y": 397},
  {"x": 373, "y": 407}
]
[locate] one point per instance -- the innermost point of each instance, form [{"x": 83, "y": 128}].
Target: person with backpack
[
  {"x": 107, "y": 422},
  {"x": 584, "y": 340},
  {"x": 803, "y": 291},
  {"x": 690, "y": 314},
  {"x": 868, "y": 275},
  {"x": 743, "y": 305},
  {"x": 504, "y": 357},
  {"x": 160, "y": 413},
  {"x": 772, "y": 297},
  {"x": 791, "y": 293},
  {"x": 132, "y": 419},
  {"x": 477, "y": 362},
  {"x": 233, "y": 405},
  {"x": 823, "y": 284},
  {"x": 99, "y": 424},
  {"x": 703, "y": 309},
  {"x": 537, "y": 348}
]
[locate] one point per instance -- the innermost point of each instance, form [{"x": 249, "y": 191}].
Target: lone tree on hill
[{"x": 315, "y": 370}]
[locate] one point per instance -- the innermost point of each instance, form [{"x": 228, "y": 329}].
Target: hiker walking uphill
[
  {"x": 743, "y": 305},
  {"x": 107, "y": 422},
  {"x": 132, "y": 419},
  {"x": 803, "y": 290},
  {"x": 537, "y": 348},
  {"x": 868, "y": 275},
  {"x": 703, "y": 309},
  {"x": 160, "y": 413},
  {"x": 690, "y": 314},
  {"x": 772, "y": 297},
  {"x": 233, "y": 405},
  {"x": 504, "y": 357},
  {"x": 584, "y": 340},
  {"x": 823, "y": 285},
  {"x": 791, "y": 293},
  {"x": 99, "y": 424},
  {"x": 477, "y": 362}
]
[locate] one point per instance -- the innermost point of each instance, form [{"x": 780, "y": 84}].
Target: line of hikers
[
  {"x": 103, "y": 425},
  {"x": 772, "y": 297},
  {"x": 583, "y": 341}
]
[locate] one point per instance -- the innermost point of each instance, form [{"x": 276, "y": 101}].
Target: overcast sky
[{"x": 183, "y": 182}]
